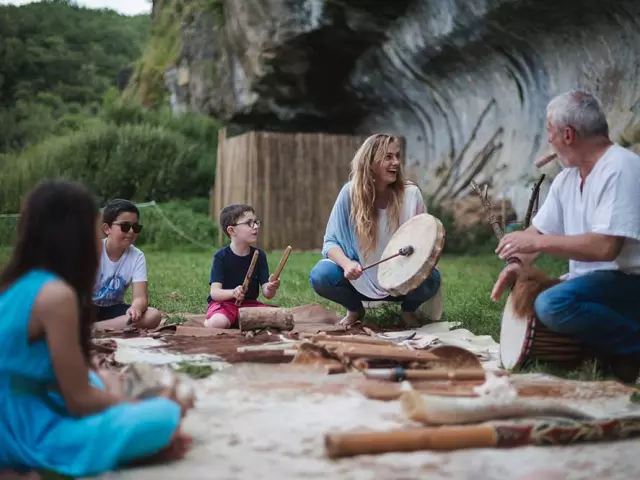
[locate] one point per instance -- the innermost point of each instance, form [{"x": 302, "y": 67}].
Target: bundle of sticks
[{"x": 531, "y": 280}]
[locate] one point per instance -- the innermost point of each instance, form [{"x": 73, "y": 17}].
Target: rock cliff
[{"x": 465, "y": 81}]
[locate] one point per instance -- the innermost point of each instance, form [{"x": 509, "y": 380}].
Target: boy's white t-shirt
[
  {"x": 609, "y": 204},
  {"x": 115, "y": 277}
]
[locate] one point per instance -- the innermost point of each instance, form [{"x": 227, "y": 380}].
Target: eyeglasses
[
  {"x": 126, "y": 226},
  {"x": 250, "y": 223}
]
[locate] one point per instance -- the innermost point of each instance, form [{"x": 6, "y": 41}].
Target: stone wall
[{"x": 465, "y": 81}]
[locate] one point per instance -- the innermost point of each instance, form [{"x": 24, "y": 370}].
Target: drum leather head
[
  {"x": 402, "y": 274},
  {"x": 513, "y": 337},
  {"x": 457, "y": 357}
]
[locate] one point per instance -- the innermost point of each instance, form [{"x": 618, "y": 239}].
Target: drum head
[
  {"x": 402, "y": 274},
  {"x": 513, "y": 337}
]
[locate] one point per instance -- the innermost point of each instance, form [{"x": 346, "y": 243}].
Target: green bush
[
  {"x": 168, "y": 225},
  {"x": 165, "y": 227},
  {"x": 140, "y": 162}
]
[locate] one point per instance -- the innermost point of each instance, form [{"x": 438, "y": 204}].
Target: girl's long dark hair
[{"x": 57, "y": 233}]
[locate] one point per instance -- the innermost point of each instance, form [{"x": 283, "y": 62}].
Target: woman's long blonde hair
[{"x": 364, "y": 213}]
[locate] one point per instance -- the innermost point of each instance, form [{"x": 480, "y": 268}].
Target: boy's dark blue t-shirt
[{"x": 230, "y": 269}]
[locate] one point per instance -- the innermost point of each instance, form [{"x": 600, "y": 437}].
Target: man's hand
[
  {"x": 507, "y": 277},
  {"x": 238, "y": 293},
  {"x": 518, "y": 242},
  {"x": 134, "y": 314},
  {"x": 353, "y": 271}
]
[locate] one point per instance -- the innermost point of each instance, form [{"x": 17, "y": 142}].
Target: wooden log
[
  {"x": 256, "y": 318},
  {"x": 348, "y": 444}
]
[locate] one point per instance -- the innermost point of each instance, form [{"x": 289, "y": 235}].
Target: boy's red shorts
[{"x": 228, "y": 309}]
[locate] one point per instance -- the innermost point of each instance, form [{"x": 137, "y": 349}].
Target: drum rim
[
  {"x": 526, "y": 343},
  {"x": 530, "y": 334}
]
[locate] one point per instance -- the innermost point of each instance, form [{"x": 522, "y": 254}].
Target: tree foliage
[{"x": 58, "y": 59}]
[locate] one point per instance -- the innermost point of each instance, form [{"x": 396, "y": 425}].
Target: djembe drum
[
  {"x": 524, "y": 339},
  {"x": 404, "y": 273}
]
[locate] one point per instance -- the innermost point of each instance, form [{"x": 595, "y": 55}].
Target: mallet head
[{"x": 406, "y": 251}]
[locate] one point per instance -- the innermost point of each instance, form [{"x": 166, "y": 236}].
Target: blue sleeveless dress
[{"x": 36, "y": 430}]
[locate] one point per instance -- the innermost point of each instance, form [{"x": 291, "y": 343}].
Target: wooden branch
[
  {"x": 247, "y": 277},
  {"x": 487, "y": 206},
  {"x": 458, "y": 159},
  {"x": 533, "y": 201}
]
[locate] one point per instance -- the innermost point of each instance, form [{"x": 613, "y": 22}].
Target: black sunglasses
[{"x": 126, "y": 226}]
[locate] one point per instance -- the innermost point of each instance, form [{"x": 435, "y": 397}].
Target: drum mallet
[
  {"x": 283, "y": 261},
  {"x": 404, "y": 251},
  {"x": 247, "y": 278}
]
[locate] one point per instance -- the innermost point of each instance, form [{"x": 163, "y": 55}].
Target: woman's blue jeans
[{"x": 327, "y": 280}]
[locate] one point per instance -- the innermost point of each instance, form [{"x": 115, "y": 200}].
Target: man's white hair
[{"x": 580, "y": 110}]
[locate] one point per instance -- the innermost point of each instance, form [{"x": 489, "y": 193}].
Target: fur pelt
[{"x": 531, "y": 282}]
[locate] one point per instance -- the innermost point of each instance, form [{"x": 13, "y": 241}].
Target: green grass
[{"x": 178, "y": 284}]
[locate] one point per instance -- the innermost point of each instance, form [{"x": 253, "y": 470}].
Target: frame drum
[
  {"x": 404, "y": 274},
  {"x": 528, "y": 339}
]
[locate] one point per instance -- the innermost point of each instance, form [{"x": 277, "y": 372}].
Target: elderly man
[{"x": 591, "y": 217}]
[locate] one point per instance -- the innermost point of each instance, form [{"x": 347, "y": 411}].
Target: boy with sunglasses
[
  {"x": 122, "y": 265},
  {"x": 230, "y": 265}
]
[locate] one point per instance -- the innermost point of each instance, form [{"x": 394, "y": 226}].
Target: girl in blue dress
[{"x": 55, "y": 413}]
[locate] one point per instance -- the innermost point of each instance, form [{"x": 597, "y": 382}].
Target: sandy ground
[{"x": 269, "y": 421}]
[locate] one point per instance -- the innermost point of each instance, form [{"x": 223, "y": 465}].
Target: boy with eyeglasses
[
  {"x": 122, "y": 265},
  {"x": 230, "y": 265}
]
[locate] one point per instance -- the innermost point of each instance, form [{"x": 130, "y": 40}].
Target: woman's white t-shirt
[{"x": 114, "y": 278}]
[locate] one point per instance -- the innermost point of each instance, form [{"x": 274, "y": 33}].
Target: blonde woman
[{"x": 368, "y": 211}]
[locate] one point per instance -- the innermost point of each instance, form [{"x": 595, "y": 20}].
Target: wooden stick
[
  {"x": 340, "y": 445},
  {"x": 448, "y": 438},
  {"x": 378, "y": 352},
  {"x": 487, "y": 207},
  {"x": 361, "y": 339},
  {"x": 532, "y": 201},
  {"x": 408, "y": 250},
  {"x": 283, "y": 261},
  {"x": 393, "y": 374},
  {"x": 247, "y": 277}
]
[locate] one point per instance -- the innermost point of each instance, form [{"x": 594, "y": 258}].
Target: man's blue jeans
[
  {"x": 327, "y": 280},
  {"x": 602, "y": 309}
]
